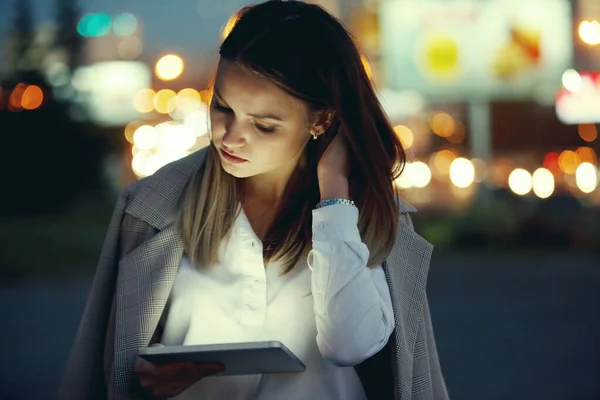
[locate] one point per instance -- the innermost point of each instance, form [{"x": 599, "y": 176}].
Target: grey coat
[{"x": 138, "y": 265}]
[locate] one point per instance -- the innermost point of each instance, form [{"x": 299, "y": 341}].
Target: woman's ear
[{"x": 321, "y": 122}]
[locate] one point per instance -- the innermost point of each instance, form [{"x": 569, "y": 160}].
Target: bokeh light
[
  {"x": 180, "y": 138},
  {"x": 15, "y": 101},
  {"x": 587, "y": 155},
  {"x": 138, "y": 163},
  {"x": 130, "y": 129},
  {"x": 405, "y": 135},
  {"x": 587, "y": 132},
  {"x": 440, "y": 162},
  {"x": 198, "y": 121},
  {"x": 462, "y": 172},
  {"x": 587, "y": 177},
  {"x": 568, "y": 161},
  {"x": 572, "y": 81},
  {"x": 416, "y": 174},
  {"x": 145, "y": 137},
  {"x": 542, "y": 183},
  {"x": 169, "y": 67},
  {"x": 32, "y": 97},
  {"x": 459, "y": 135},
  {"x": 551, "y": 162},
  {"x": 589, "y": 32},
  {"x": 421, "y": 174},
  {"x": 520, "y": 181},
  {"x": 442, "y": 124},
  {"x": 143, "y": 100},
  {"x": 94, "y": 25},
  {"x": 125, "y": 24},
  {"x": 188, "y": 100},
  {"x": 162, "y": 101}
]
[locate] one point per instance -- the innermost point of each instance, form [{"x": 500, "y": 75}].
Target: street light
[
  {"x": 169, "y": 67},
  {"x": 589, "y": 32}
]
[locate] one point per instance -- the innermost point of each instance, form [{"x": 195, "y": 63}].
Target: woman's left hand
[{"x": 333, "y": 169}]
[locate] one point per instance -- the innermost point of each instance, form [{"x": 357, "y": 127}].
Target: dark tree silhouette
[
  {"x": 67, "y": 37},
  {"x": 22, "y": 33},
  {"x": 47, "y": 159}
]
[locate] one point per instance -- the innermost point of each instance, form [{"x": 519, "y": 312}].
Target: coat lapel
[
  {"x": 144, "y": 283},
  {"x": 147, "y": 272},
  {"x": 407, "y": 268}
]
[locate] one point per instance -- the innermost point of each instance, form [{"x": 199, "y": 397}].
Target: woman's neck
[{"x": 270, "y": 188}]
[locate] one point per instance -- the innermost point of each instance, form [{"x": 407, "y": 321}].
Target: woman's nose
[{"x": 234, "y": 135}]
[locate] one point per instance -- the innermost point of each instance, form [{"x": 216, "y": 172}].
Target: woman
[{"x": 259, "y": 237}]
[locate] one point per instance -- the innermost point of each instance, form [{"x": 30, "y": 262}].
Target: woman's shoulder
[
  {"x": 404, "y": 206},
  {"x": 156, "y": 197},
  {"x": 169, "y": 177}
]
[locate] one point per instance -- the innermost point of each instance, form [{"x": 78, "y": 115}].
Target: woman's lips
[{"x": 231, "y": 158}]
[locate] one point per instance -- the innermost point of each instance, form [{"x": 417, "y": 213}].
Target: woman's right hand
[{"x": 171, "y": 380}]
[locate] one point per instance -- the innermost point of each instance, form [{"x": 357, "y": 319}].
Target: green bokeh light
[
  {"x": 94, "y": 25},
  {"x": 125, "y": 24}
]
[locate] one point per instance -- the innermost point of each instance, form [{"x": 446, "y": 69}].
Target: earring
[{"x": 314, "y": 135}]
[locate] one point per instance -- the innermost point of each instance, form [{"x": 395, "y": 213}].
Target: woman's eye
[
  {"x": 220, "y": 107},
  {"x": 265, "y": 129}
]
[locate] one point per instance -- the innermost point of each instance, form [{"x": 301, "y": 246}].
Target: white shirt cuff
[{"x": 336, "y": 223}]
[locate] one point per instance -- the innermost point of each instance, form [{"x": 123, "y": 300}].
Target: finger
[
  {"x": 143, "y": 366},
  {"x": 146, "y": 368}
]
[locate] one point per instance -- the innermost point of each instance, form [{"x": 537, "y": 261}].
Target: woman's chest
[{"x": 240, "y": 300}]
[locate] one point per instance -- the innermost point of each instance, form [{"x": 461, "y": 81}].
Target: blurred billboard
[
  {"x": 578, "y": 102},
  {"x": 476, "y": 50}
]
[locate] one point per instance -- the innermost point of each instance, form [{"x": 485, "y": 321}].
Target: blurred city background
[{"x": 497, "y": 102}]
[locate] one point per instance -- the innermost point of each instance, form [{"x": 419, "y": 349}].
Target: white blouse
[{"x": 347, "y": 319}]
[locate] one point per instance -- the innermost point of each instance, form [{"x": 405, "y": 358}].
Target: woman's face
[{"x": 258, "y": 128}]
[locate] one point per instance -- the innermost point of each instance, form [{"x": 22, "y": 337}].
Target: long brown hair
[{"x": 308, "y": 53}]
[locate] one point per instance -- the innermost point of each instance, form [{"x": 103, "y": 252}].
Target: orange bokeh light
[
  {"x": 32, "y": 98},
  {"x": 459, "y": 135},
  {"x": 442, "y": 124},
  {"x": 568, "y": 161},
  {"x": 587, "y": 154},
  {"x": 441, "y": 162},
  {"x": 15, "y": 99},
  {"x": 587, "y": 132},
  {"x": 405, "y": 135}
]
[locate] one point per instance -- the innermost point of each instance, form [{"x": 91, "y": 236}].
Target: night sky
[{"x": 184, "y": 26}]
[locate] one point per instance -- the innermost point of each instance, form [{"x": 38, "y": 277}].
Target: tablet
[{"x": 248, "y": 358}]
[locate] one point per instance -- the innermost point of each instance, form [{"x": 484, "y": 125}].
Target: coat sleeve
[{"x": 84, "y": 377}]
